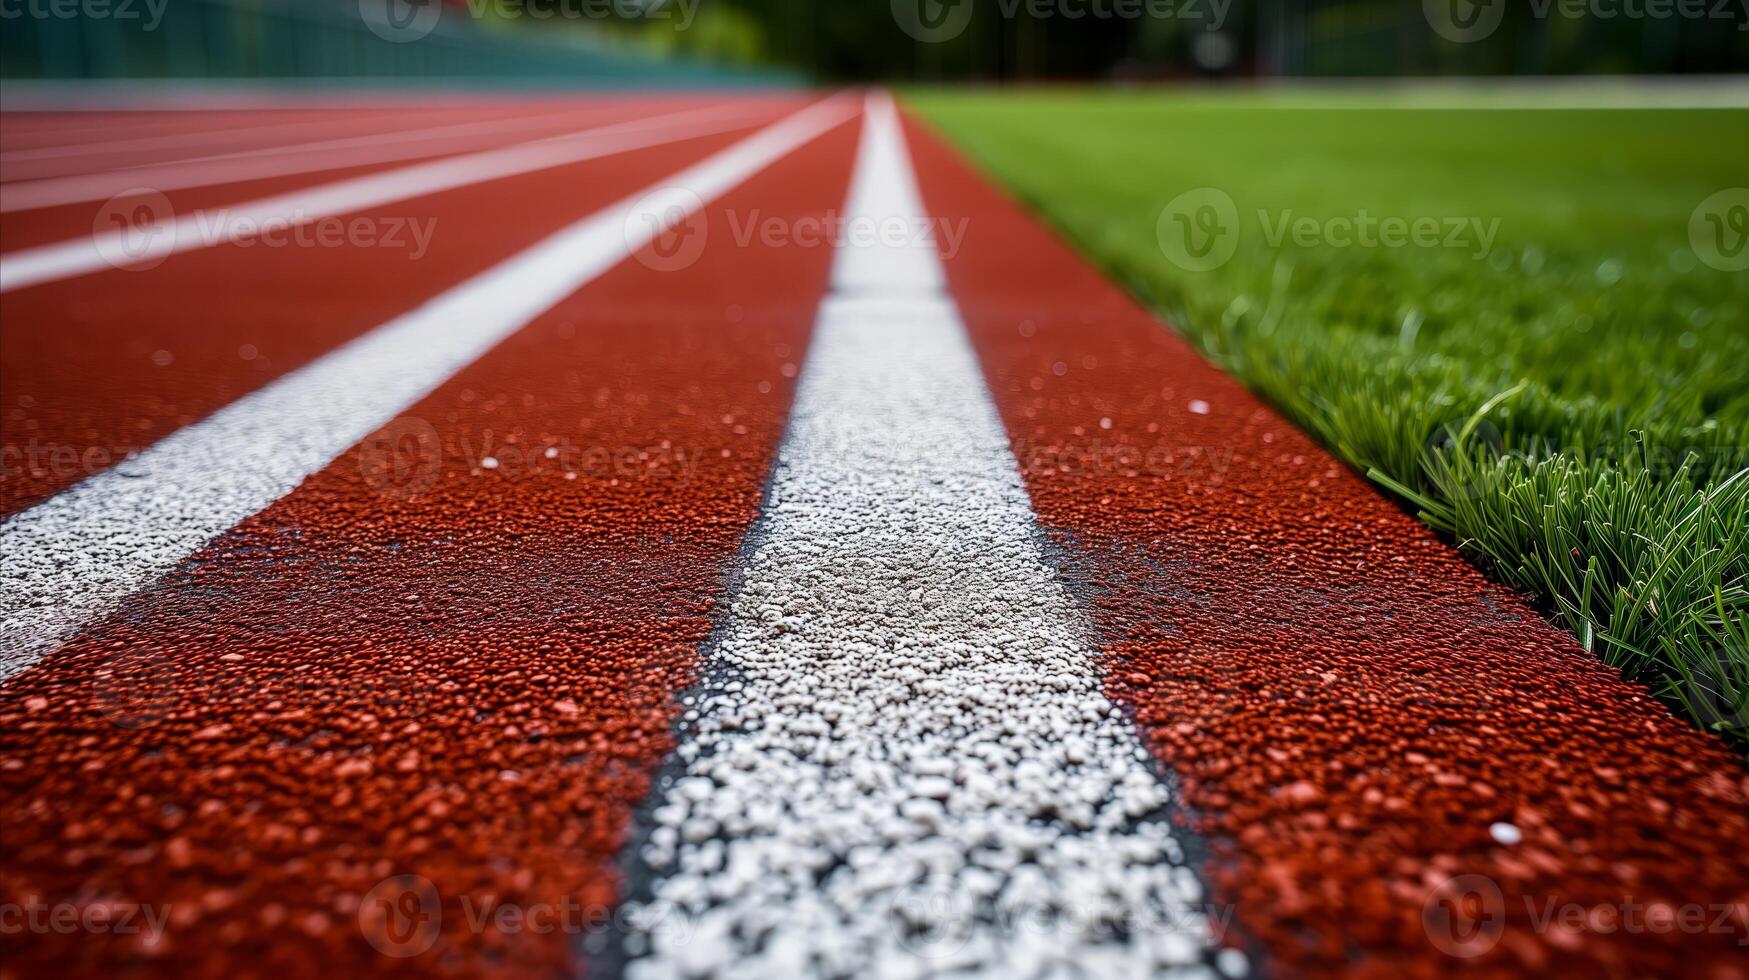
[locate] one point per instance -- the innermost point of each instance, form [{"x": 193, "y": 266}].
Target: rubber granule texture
[
  {"x": 451, "y": 654},
  {"x": 1362, "y": 720}
]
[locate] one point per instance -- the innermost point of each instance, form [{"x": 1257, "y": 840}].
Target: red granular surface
[
  {"x": 52, "y": 144},
  {"x": 1349, "y": 704},
  {"x": 45, "y": 226},
  {"x": 32, "y": 131},
  {"x": 135, "y": 143},
  {"x": 473, "y": 683},
  {"x": 98, "y": 365}
]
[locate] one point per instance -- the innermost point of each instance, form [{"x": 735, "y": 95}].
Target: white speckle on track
[
  {"x": 905, "y": 764},
  {"x": 76, "y": 555}
]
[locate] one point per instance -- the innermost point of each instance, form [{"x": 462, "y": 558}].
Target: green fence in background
[{"x": 312, "y": 40}]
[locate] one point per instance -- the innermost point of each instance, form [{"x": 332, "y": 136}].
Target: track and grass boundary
[
  {"x": 1606, "y": 480},
  {"x": 1363, "y": 724}
]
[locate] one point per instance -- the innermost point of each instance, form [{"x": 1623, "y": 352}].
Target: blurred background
[{"x": 711, "y": 42}]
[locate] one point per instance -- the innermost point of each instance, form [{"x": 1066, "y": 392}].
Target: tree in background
[{"x": 1000, "y": 40}]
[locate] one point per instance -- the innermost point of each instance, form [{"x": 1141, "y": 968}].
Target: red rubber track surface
[
  {"x": 36, "y": 129},
  {"x": 218, "y": 131},
  {"x": 21, "y": 230},
  {"x": 52, "y": 127},
  {"x": 77, "y": 356},
  {"x": 474, "y": 684},
  {"x": 1348, "y": 703},
  {"x": 45, "y": 226},
  {"x": 116, "y": 153}
]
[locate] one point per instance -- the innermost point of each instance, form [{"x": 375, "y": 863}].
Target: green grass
[{"x": 1570, "y": 405}]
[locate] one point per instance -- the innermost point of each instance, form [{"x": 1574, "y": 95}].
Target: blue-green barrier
[{"x": 314, "y": 41}]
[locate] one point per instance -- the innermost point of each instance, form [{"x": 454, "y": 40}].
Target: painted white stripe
[
  {"x": 221, "y": 134},
  {"x": 75, "y": 556},
  {"x": 233, "y": 94},
  {"x": 273, "y": 161},
  {"x": 231, "y": 135},
  {"x": 902, "y": 762},
  {"x": 91, "y": 253}
]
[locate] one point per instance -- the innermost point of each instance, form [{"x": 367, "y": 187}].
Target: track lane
[
  {"x": 1352, "y": 706},
  {"x": 80, "y": 400},
  {"x": 142, "y": 238},
  {"x": 369, "y": 149},
  {"x": 142, "y": 136},
  {"x": 899, "y": 761},
  {"x": 49, "y": 129},
  {"x": 133, "y": 525},
  {"x": 29, "y": 228},
  {"x": 471, "y": 683}
]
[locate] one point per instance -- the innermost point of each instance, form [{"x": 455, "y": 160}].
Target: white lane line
[
  {"x": 95, "y": 252},
  {"x": 276, "y": 161},
  {"x": 188, "y": 138},
  {"x": 196, "y": 139},
  {"x": 76, "y": 555},
  {"x": 234, "y": 95},
  {"x": 902, "y": 762}
]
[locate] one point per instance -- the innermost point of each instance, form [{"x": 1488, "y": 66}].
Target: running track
[{"x": 633, "y": 581}]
